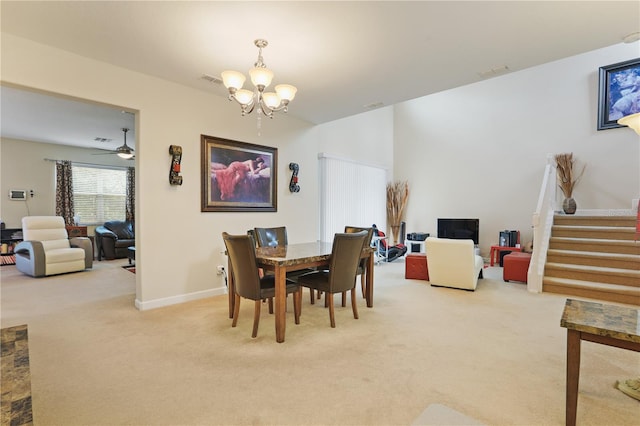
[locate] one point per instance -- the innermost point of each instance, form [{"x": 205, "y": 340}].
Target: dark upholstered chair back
[
  {"x": 271, "y": 237},
  {"x": 124, "y": 229},
  {"x": 354, "y": 229},
  {"x": 345, "y": 258},
  {"x": 242, "y": 255},
  {"x": 367, "y": 242}
]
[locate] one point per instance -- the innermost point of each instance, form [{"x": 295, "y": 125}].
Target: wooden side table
[
  {"x": 610, "y": 325},
  {"x": 76, "y": 231},
  {"x": 131, "y": 254},
  {"x": 494, "y": 254},
  {"x": 81, "y": 231}
]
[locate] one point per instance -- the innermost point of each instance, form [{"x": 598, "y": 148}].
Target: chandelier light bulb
[
  {"x": 233, "y": 79},
  {"x": 244, "y": 96},
  {"x": 261, "y": 76},
  {"x": 271, "y": 99},
  {"x": 286, "y": 92}
]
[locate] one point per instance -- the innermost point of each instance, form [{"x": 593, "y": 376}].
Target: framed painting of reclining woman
[{"x": 238, "y": 176}]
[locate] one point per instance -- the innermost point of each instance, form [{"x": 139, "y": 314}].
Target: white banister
[{"x": 542, "y": 222}]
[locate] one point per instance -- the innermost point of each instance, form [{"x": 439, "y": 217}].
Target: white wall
[
  {"x": 367, "y": 136},
  {"x": 479, "y": 151}
]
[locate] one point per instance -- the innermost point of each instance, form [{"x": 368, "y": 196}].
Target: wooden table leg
[
  {"x": 369, "y": 280},
  {"x": 573, "y": 375},
  {"x": 230, "y": 289},
  {"x": 281, "y": 303}
]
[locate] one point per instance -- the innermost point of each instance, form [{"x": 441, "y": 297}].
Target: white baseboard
[{"x": 174, "y": 300}]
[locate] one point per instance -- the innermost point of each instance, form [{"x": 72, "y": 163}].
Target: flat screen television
[{"x": 459, "y": 229}]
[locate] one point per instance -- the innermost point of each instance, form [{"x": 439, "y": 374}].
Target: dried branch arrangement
[
  {"x": 566, "y": 179},
  {"x": 397, "y": 196}
]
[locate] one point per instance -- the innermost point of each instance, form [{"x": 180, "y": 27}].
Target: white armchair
[
  {"x": 47, "y": 250},
  {"x": 453, "y": 263}
]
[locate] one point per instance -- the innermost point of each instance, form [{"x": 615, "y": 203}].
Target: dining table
[{"x": 294, "y": 257}]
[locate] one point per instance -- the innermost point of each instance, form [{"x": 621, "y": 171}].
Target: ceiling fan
[{"x": 124, "y": 151}]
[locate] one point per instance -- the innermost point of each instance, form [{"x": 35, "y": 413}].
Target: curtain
[
  {"x": 64, "y": 192},
  {"x": 130, "y": 203}
]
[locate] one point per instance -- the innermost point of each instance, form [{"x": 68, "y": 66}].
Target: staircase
[{"x": 594, "y": 257}]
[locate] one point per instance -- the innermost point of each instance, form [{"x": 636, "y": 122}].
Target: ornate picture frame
[
  {"x": 619, "y": 92},
  {"x": 238, "y": 176}
]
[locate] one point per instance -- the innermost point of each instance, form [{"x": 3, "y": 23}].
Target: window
[{"x": 99, "y": 194}]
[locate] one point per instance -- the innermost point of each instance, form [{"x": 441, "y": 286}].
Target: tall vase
[
  {"x": 395, "y": 231},
  {"x": 569, "y": 205}
]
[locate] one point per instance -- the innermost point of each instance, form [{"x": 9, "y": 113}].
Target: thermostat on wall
[{"x": 17, "y": 194}]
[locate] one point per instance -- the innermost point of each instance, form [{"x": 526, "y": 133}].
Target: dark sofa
[{"x": 114, "y": 238}]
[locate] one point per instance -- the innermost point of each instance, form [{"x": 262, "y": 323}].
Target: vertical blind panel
[{"x": 350, "y": 194}]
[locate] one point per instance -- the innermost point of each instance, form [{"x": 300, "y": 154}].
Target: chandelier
[{"x": 266, "y": 102}]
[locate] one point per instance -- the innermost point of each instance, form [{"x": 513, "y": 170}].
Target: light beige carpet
[
  {"x": 438, "y": 414},
  {"x": 496, "y": 355}
]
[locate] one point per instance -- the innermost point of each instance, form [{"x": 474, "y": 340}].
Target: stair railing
[{"x": 542, "y": 222}]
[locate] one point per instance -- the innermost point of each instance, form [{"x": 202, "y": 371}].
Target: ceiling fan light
[
  {"x": 271, "y": 99},
  {"x": 244, "y": 96},
  {"x": 286, "y": 92},
  {"x": 233, "y": 79},
  {"x": 632, "y": 121},
  {"x": 261, "y": 76},
  {"x": 125, "y": 155}
]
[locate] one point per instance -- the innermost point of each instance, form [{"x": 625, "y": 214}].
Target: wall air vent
[
  {"x": 211, "y": 79},
  {"x": 494, "y": 72},
  {"x": 373, "y": 105}
]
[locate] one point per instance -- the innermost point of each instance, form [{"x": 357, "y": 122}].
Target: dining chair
[
  {"x": 248, "y": 284},
  {"x": 277, "y": 237},
  {"x": 341, "y": 275},
  {"x": 362, "y": 266},
  {"x": 271, "y": 237}
]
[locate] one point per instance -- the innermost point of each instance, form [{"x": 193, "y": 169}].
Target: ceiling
[{"x": 344, "y": 57}]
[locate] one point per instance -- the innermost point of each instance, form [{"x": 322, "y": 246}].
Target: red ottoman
[
  {"x": 515, "y": 266},
  {"x": 415, "y": 265}
]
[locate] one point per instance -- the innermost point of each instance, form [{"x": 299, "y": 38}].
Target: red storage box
[
  {"x": 516, "y": 266},
  {"x": 416, "y": 267}
]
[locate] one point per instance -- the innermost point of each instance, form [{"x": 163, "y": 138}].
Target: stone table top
[{"x": 619, "y": 322}]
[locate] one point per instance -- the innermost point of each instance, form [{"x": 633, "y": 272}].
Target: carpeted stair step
[
  {"x": 595, "y": 232},
  {"x": 624, "y": 221},
  {"x": 605, "y": 260},
  {"x": 592, "y": 290},
  {"x": 623, "y": 277},
  {"x": 595, "y": 245}
]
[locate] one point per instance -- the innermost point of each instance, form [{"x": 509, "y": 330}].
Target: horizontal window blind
[
  {"x": 351, "y": 194},
  {"x": 99, "y": 194}
]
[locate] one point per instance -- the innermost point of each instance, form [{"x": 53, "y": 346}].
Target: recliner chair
[
  {"x": 114, "y": 238},
  {"x": 47, "y": 250}
]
